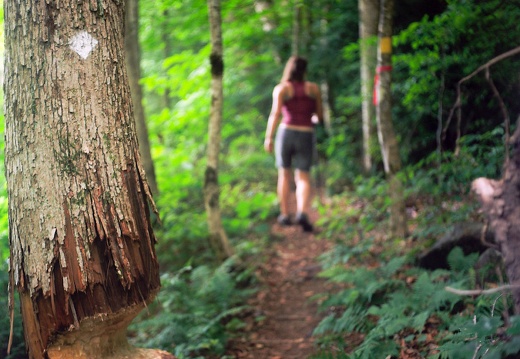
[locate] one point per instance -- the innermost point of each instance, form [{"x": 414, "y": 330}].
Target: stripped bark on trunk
[{"x": 81, "y": 242}]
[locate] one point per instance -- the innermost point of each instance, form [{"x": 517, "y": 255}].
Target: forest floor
[{"x": 285, "y": 313}]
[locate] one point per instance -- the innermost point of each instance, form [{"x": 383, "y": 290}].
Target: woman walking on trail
[{"x": 298, "y": 103}]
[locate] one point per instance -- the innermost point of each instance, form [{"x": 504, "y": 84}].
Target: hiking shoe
[
  {"x": 284, "y": 220},
  {"x": 303, "y": 221}
]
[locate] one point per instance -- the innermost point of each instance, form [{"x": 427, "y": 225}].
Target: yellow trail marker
[{"x": 386, "y": 45}]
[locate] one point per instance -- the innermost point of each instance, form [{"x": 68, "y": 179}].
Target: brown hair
[{"x": 294, "y": 69}]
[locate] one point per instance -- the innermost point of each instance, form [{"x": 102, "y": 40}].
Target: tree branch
[
  {"x": 481, "y": 291},
  {"x": 458, "y": 102},
  {"x": 504, "y": 113}
]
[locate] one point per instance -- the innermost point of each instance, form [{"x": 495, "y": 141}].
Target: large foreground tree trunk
[
  {"x": 82, "y": 246},
  {"x": 501, "y": 203},
  {"x": 385, "y": 128},
  {"x": 218, "y": 237}
]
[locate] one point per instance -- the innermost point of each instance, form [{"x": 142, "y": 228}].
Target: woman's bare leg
[
  {"x": 284, "y": 188},
  {"x": 303, "y": 191}
]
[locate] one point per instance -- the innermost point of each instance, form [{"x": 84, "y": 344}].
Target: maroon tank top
[{"x": 299, "y": 109}]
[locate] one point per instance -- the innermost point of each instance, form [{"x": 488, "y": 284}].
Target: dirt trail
[{"x": 289, "y": 280}]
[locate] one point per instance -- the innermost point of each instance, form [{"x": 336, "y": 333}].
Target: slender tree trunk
[
  {"x": 368, "y": 22},
  {"x": 324, "y": 85},
  {"x": 438, "y": 133},
  {"x": 297, "y": 27},
  {"x": 307, "y": 28},
  {"x": 500, "y": 202},
  {"x": 82, "y": 246},
  {"x": 218, "y": 238},
  {"x": 269, "y": 23},
  {"x": 166, "y": 39},
  {"x": 133, "y": 62},
  {"x": 321, "y": 160},
  {"x": 385, "y": 129},
  {"x": 261, "y": 7}
]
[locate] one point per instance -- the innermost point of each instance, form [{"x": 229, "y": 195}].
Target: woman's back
[{"x": 299, "y": 105}]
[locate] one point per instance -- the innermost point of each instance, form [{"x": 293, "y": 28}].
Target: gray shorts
[{"x": 294, "y": 148}]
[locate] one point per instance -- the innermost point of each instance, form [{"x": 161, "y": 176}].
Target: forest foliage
[{"x": 394, "y": 302}]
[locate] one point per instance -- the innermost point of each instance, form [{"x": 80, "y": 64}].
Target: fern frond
[
  {"x": 395, "y": 264},
  {"x": 459, "y": 262}
]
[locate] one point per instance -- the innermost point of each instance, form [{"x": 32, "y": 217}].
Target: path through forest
[{"x": 284, "y": 306}]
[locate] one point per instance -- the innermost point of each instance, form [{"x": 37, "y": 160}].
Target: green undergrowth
[
  {"x": 383, "y": 304},
  {"x": 197, "y": 311},
  {"x": 391, "y": 306},
  {"x": 202, "y": 304}
]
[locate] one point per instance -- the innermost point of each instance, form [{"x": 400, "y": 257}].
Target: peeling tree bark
[
  {"x": 82, "y": 246},
  {"x": 500, "y": 202},
  {"x": 218, "y": 237}
]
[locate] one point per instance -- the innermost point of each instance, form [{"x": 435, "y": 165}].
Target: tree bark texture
[
  {"x": 385, "y": 128},
  {"x": 218, "y": 237},
  {"x": 500, "y": 202},
  {"x": 133, "y": 62},
  {"x": 368, "y": 22},
  {"x": 81, "y": 242}
]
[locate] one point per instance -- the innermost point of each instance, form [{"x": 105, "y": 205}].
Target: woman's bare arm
[{"x": 274, "y": 117}]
